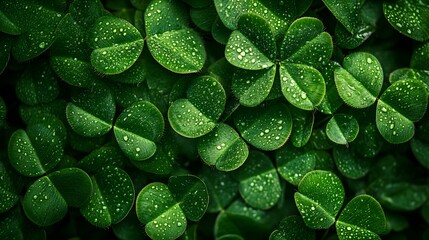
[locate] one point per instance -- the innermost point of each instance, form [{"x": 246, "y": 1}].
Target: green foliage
[{"x": 239, "y": 119}]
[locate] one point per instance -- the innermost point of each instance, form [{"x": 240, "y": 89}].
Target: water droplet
[
  {"x": 369, "y": 60},
  {"x": 42, "y": 45},
  {"x": 125, "y": 138}
]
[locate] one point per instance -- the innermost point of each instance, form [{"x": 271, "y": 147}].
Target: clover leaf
[
  {"x": 222, "y": 189},
  {"x": 319, "y": 208},
  {"x": 191, "y": 194},
  {"x": 137, "y": 129},
  {"x": 359, "y": 82},
  {"x": 197, "y": 115},
  {"x": 403, "y": 103},
  {"x": 62, "y": 188},
  {"x": 354, "y": 26},
  {"x": 259, "y": 183},
  {"x": 157, "y": 209},
  {"x": 91, "y": 111},
  {"x": 111, "y": 199},
  {"x": 293, "y": 227},
  {"x": 406, "y": 17},
  {"x": 362, "y": 217},
  {"x": 303, "y": 86},
  {"x": 116, "y": 45},
  {"x": 39, "y": 148},
  {"x": 37, "y": 85},
  {"x": 223, "y": 148},
  {"x": 34, "y": 22},
  {"x": 293, "y": 163},
  {"x": 342, "y": 128},
  {"x": 349, "y": 163},
  {"x": 8, "y": 194},
  {"x": 252, "y": 46},
  {"x": 277, "y": 14},
  {"x": 164, "y": 209},
  {"x": 172, "y": 43},
  {"x": 269, "y": 130}
]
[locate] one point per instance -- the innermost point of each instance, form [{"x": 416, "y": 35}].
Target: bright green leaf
[
  {"x": 171, "y": 42},
  {"x": 117, "y": 45},
  {"x": 407, "y": 16},
  {"x": 362, "y": 218},
  {"x": 253, "y": 87},
  {"x": 156, "y": 207},
  {"x": 252, "y": 46},
  {"x": 359, "y": 82},
  {"x": 223, "y": 148},
  {"x": 319, "y": 208},
  {"x": 197, "y": 115},
  {"x": 269, "y": 129},
  {"x": 137, "y": 129},
  {"x": 403, "y": 103},
  {"x": 259, "y": 182},
  {"x": 278, "y": 14},
  {"x": 305, "y": 42},
  {"x": 342, "y": 128},
  {"x": 303, "y": 86}
]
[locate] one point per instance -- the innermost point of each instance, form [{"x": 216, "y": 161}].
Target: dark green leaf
[
  {"x": 37, "y": 85},
  {"x": 46, "y": 200},
  {"x": 38, "y": 149},
  {"x": 349, "y": 163},
  {"x": 293, "y": 163},
  {"x": 111, "y": 199},
  {"x": 8, "y": 194},
  {"x": 91, "y": 111},
  {"x": 36, "y": 20},
  {"x": 292, "y": 228},
  {"x": 302, "y": 127},
  {"x": 221, "y": 187},
  {"x": 259, "y": 182},
  {"x": 191, "y": 194}
]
